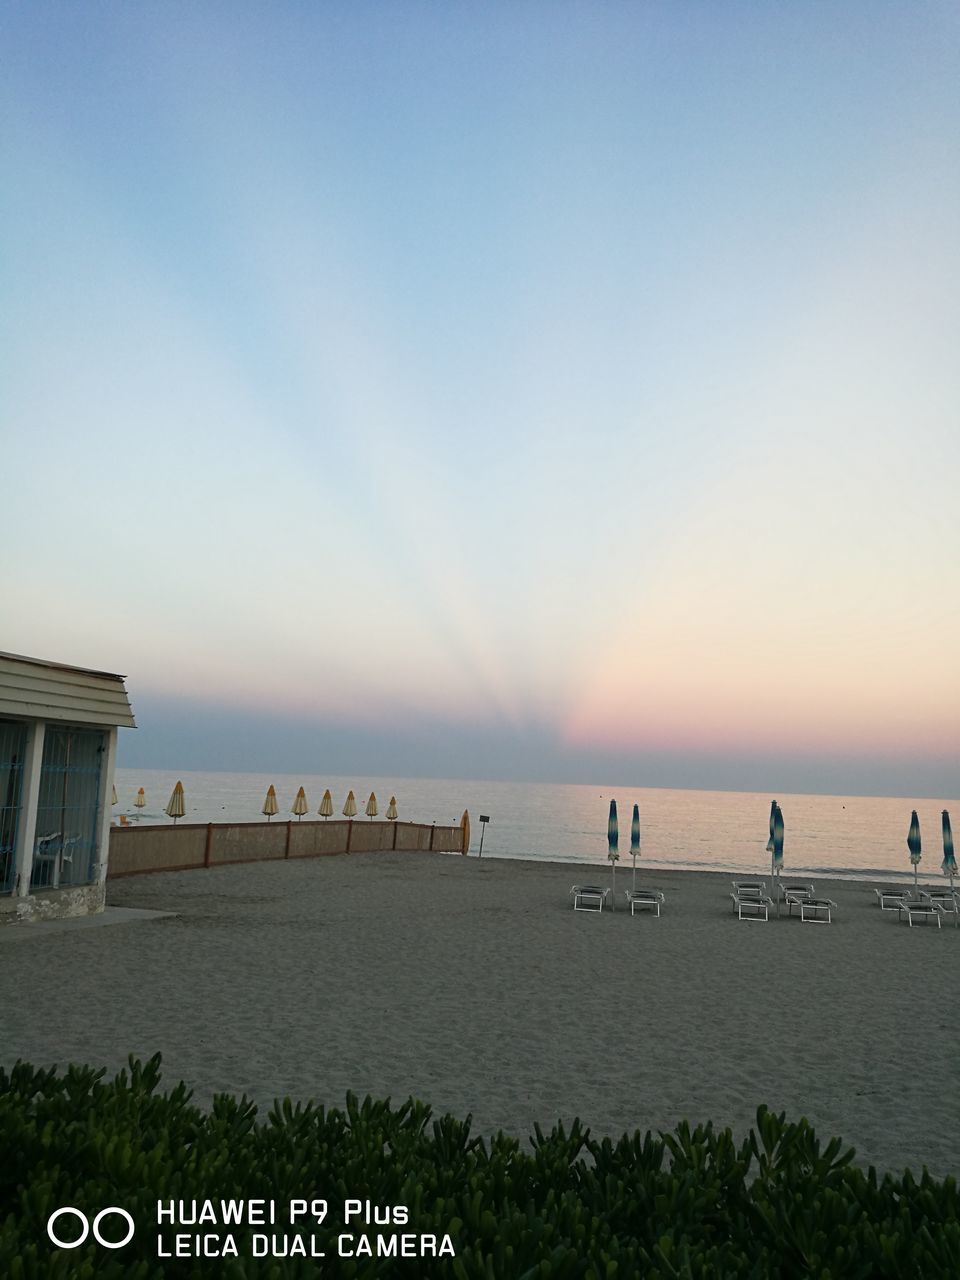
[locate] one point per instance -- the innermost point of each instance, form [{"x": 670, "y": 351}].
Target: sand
[{"x": 473, "y": 985}]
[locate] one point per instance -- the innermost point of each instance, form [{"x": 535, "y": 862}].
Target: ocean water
[{"x": 851, "y": 837}]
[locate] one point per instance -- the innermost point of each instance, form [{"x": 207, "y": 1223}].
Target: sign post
[{"x": 484, "y": 819}]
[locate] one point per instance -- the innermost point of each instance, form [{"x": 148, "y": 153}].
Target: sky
[{"x": 544, "y": 391}]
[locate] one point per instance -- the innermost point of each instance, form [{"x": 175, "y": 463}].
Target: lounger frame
[
  {"x": 644, "y": 899},
  {"x": 923, "y": 910},
  {"x": 751, "y": 908},
  {"x": 588, "y": 897}
]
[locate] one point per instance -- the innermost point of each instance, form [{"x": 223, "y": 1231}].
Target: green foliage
[{"x": 692, "y": 1203}]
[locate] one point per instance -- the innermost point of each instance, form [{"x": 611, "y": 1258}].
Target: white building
[{"x": 58, "y": 750}]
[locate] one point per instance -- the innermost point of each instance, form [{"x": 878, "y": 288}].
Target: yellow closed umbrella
[
  {"x": 350, "y": 808},
  {"x": 371, "y": 809},
  {"x": 326, "y": 805},
  {"x": 141, "y": 799},
  {"x": 300, "y": 806},
  {"x": 270, "y": 804},
  {"x": 392, "y": 809},
  {"x": 465, "y": 828},
  {"x": 175, "y": 808}
]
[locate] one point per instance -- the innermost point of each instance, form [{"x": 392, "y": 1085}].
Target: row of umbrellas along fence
[
  {"x": 775, "y": 843},
  {"x": 176, "y": 808},
  {"x": 300, "y": 805}
]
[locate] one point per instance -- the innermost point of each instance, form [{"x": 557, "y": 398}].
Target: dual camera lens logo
[{"x": 86, "y": 1227}]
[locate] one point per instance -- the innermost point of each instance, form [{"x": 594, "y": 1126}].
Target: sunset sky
[{"x": 538, "y": 391}]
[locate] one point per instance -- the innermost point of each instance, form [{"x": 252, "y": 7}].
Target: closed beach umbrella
[
  {"x": 392, "y": 809},
  {"x": 613, "y": 841},
  {"x": 371, "y": 809},
  {"x": 773, "y": 815},
  {"x": 270, "y": 804},
  {"x": 778, "y": 847},
  {"x": 175, "y": 808},
  {"x": 350, "y": 808},
  {"x": 465, "y": 828},
  {"x": 114, "y": 800},
  {"x": 913, "y": 844},
  {"x": 635, "y": 841},
  {"x": 300, "y": 806},
  {"x": 949, "y": 864},
  {"x": 326, "y": 805},
  {"x": 141, "y": 799}
]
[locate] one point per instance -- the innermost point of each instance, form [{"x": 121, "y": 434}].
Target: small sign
[{"x": 484, "y": 817}]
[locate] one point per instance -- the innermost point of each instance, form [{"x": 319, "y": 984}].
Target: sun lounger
[
  {"x": 944, "y": 899},
  {"x": 644, "y": 899},
  {"x": 588, "y": 897},
  {"x": 750, "y": 888},
  {"x": 815, "y": 910},
  {"x": 806, "y": 890},
  {"x": 750, "y": 907},
  {"x": 796, "y": 898},
  {"x": 890, "y": 899},
  {"x": 920, "y": 908}
]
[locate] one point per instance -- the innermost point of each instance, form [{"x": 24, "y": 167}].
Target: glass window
[
  {"x": 13, "y": 741},
  {"x": 65, "y": 852}
]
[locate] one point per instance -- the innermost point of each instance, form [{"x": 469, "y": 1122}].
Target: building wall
[{"x": 53, "y": 904}]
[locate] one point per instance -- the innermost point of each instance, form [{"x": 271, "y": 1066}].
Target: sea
[{"x": 844, "y": 837}]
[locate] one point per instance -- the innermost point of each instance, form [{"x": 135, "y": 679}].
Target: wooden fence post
[{"x": 206, "y": 847}]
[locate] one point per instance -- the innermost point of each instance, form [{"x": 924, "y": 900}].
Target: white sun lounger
[
  {"x": 944, "y": 899},
  {"x": 750, "y": 888},
  {"x": 922, "y": 909},
  {"x": 644, "y": 899},
  {"x": 750, "y": 907},
  {"x": 804, "y": 890},
  {"x": 796, "y": 897},
  {"x": 815, "y": 910},
  {"x": 890, "y": 899},
  {"x": 588, "y": 897}
]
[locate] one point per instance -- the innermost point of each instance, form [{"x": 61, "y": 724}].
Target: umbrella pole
[
  {"x": 613, "y": 891},
  {"x": 634, "y": 873}
]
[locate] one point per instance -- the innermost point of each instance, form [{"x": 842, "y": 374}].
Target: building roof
[{"x": 44, "y": 690}]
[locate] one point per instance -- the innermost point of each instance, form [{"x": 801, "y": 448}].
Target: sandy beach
[{"x": 473, "y": 985}]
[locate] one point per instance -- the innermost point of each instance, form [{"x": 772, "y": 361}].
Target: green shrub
[{"x": 692, "y": 1203}]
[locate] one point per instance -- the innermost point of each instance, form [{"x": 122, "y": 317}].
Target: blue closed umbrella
[
  {"x": 613, "y": 841},
  {"x": 773, "y": 819},
  {"x": 913, "y": 844},
  {"x": 949, "y": 864},
  {"x": 778, "y": 847},
  {"x": 635, "y": 841}
]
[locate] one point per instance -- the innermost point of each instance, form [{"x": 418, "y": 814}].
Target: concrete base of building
[{"x": 54, "y": 904}]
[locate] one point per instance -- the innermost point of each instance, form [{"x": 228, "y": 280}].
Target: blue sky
[{"x": 549, "y": 391}]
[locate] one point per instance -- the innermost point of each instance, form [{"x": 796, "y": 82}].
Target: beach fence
[{"x": 134, "y": 850}]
